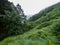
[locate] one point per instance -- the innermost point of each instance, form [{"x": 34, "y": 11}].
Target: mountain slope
[
  {"x": 44, "y": 12},
  {"x": 46, "y": 31}
]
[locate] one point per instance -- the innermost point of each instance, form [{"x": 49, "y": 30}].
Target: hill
[
  {"x": 44, "y": 11},
  {"x": 45, "y": 31}
]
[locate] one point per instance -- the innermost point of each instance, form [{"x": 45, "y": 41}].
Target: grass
[
  {"x": 43, "y": 36},
  {"x": 46, "y": 31}
]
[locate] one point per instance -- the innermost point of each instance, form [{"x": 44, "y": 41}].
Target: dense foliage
[
  {"x": 45, "y": 29},
  {"x": 11, "y": 20}
]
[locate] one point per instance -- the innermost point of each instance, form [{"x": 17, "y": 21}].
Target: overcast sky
[{"x": 32, "y": 7}]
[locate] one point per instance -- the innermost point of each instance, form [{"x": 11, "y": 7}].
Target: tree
[{"x": 10, "y": 21}]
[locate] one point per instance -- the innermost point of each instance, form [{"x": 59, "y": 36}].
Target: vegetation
[
  {"x": 10, "y": 20},
  {"x": 44, "y": 30}
]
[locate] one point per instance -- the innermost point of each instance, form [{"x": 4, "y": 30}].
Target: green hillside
[
  {"x": 45, "y": 31},
  {"x": 44, "y": 12}
]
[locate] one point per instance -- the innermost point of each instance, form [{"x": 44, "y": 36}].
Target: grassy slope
[{"x": 46, "y": 32}]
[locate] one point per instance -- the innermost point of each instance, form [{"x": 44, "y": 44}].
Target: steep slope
[
  {"x": 11, "y": 21},
  {"x": 44, "y": 12},
  {"x": 46, "y": 31}
]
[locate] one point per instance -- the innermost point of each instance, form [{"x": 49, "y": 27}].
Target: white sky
[{"x": 32, "y": 7}]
